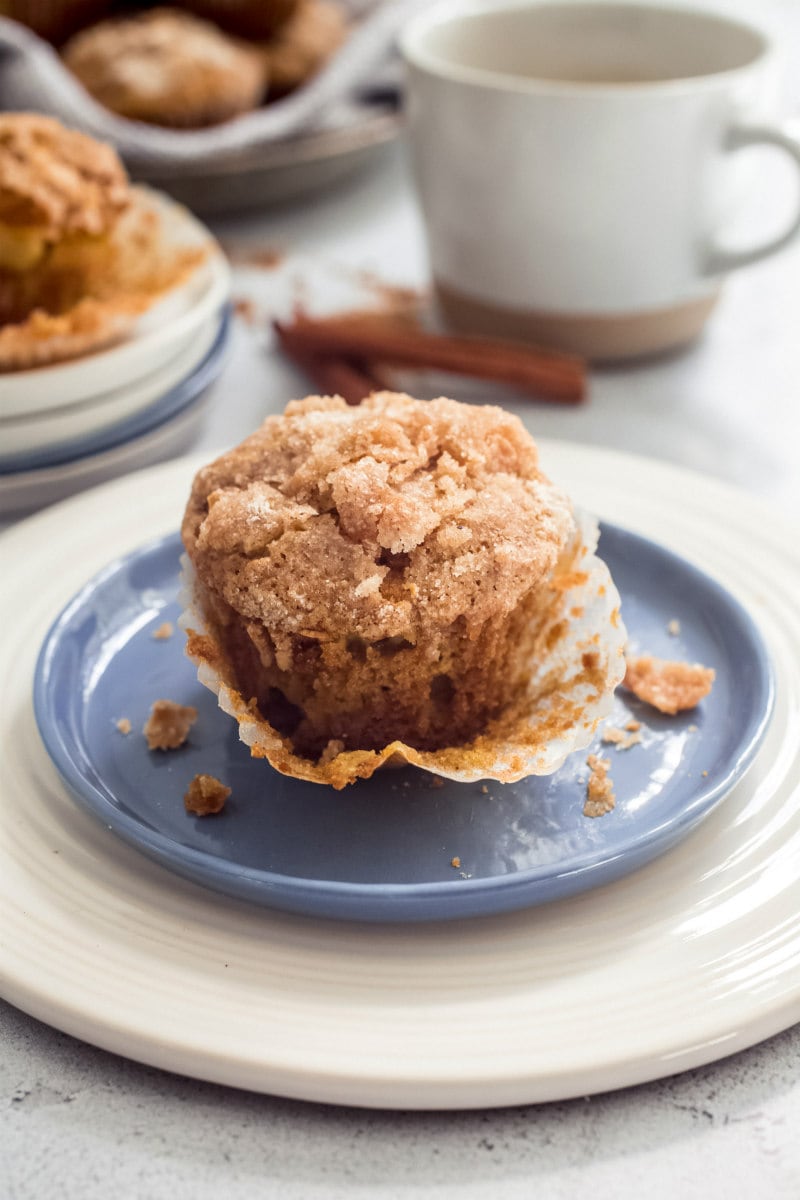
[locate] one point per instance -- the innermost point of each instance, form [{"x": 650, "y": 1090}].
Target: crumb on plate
[
  {"x": 613, "y": 736},
  {"x": 205, "y": 796},
  {"x": 124, "y": 725},
  {"x": 671, "y": 687},
  {"x": 164, "y": 631},
  {"x": 600, "y": 797},
  {"x": 455, "y": 862},
  {"x": 673, "y": 627},
  {"x": 168, "y": 725}
]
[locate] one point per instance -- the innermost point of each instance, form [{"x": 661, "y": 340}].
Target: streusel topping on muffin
[
  {"x": 387, "y": 520},
  {"x": 82, "y": 252},
  {"x": 378, "y": 573},
  {"x": 54, "y": 183}
]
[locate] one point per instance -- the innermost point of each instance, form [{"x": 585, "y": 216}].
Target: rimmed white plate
[
  {"x": 157, "y": 336},
  {"x": 682, "y": 962},
  {"x": 48, "y": 429}
]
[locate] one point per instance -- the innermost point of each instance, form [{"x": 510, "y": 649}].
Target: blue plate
[
  {"x": 160, "y": 411},
  {"x": 383, "y": 849}
]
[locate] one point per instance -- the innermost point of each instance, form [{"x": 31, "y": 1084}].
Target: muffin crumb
[
  {"x": 671, "y": 687},
  {"x": 455, "y": 862},
  {"x": 600, "y": 797},
  {"x": 205, "y": 796},
  {"x": 168, "y": 725},
  {"x": 164, "y": 631},
  {"x": 124, "y": 725},
  {"x": 613, "y": 736}
]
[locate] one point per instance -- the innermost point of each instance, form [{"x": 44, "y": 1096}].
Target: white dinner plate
[
  {"x": 50, "y": 428},
  {"x": 156, "y": 337},
  {"x": 686, "y": 960}
]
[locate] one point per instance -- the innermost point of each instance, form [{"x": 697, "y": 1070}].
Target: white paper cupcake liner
[{"x": 580, "y": 660}]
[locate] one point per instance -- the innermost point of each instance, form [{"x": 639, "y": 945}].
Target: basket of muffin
[
  {"x": 113, "y": 313},
  {"x": 193, "y": 63}
]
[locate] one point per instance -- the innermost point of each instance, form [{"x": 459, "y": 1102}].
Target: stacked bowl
[{"x": 73, "y": 424}]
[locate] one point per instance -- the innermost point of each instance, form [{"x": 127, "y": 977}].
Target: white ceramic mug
[{"x": 577, "y": 162}]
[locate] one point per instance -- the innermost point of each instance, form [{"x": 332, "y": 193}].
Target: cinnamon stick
[
  {"x": 332, "y": 376},
  {"x": 363, "y": 336}
]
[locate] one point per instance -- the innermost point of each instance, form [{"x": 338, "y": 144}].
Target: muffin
[
  {"x": 56, "y": 186},
  {"x": 313, "y": 33},
  {"x": 167, "y": 67},
  {"x": 382, "y": 576},
  {"x": 82, "y": 254}
]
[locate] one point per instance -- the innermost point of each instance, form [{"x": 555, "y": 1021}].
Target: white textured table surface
[{"x": 78, "y": 1122}]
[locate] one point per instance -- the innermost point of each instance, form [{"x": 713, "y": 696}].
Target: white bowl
[
  {"x": 50, "y": 428},
  {"x": 25, "y": 491},
  {"x": 160, "y": 333}
]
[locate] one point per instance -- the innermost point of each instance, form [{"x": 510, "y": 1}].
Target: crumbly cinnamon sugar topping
[
  {"x": 671, "y": 687},
  {"x": 205, "y": 796},
  {"x": 56, "y": 179},
  {"x": 167, "y": 67},
  {"x": 600, "y": 798},
  {"x": 390, "y": 519},
  {"x": 168, "y": 725}
]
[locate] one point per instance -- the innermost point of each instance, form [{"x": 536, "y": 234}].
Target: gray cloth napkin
[{"x": 33, "y": 78}]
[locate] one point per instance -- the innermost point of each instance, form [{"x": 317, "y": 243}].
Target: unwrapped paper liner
[{"x": 580, "y": 661}]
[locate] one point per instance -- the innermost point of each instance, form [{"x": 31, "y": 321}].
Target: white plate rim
[{"x": 374, "y": 1016}]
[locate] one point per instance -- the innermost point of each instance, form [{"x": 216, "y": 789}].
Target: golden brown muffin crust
[
  {"x": 389, "y": 520},
  {"x": 167, "y": 67},
  {"x": 56, "y": 179},
  {"x": 377, "y": 573}
]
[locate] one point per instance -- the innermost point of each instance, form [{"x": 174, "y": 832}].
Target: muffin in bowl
[
  {"x": 383, "y": 581},
  {"x": 167, "y": 67},
  {"x": 82, "y": 253}
]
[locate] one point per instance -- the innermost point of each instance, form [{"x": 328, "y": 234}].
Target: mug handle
[{"x": 719, "y": 260}]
